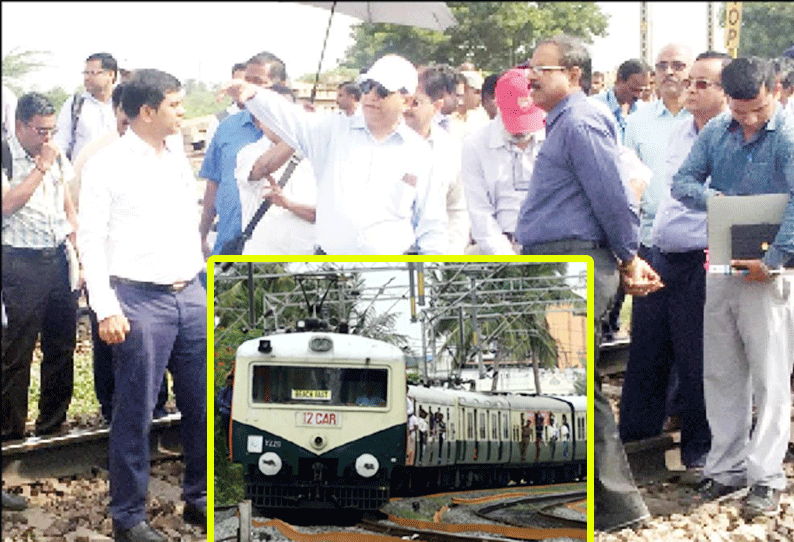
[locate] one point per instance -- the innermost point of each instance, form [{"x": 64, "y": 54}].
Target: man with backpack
[{"x": 89, "y": 114}]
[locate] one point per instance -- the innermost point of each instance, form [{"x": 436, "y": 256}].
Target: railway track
[
  {"x": 482, "y": 517},
  {"x": 78, "y": 452}
]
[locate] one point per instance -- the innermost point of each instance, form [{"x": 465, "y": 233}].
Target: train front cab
[{"x": 297, "y": 428}]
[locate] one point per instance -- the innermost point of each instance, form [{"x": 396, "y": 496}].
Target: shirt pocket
[{"x": 401, "y": 197}]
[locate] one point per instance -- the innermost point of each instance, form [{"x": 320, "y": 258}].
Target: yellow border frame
[{"x": 389, "y": 259}]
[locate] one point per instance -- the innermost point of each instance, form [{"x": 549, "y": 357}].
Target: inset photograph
[{"x": 400, "y": 397}]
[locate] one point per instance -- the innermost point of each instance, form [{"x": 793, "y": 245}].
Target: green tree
[
  {"x": 492, "y": 35},
  {"x": 521, "y": 294},
  {"x": 17, "y": 64},
  {"x": 766, "y": 28}
]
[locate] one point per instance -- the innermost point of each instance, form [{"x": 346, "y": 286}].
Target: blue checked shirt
[{"x": 763, "y": 165}]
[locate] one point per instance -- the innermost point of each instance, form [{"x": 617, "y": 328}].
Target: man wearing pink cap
[{"x": 497, "y": 163}]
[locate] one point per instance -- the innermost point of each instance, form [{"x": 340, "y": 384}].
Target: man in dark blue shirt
[
  {"x": 749, "y": 318},
  {"x": 579, "y": 202}
]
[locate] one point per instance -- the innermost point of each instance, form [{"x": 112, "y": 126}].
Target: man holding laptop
[{"x": 749, "y": 316}]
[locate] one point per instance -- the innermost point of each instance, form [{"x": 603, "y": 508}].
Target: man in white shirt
[
  {"x": 375, "y": 194},
  {"x": 92, "y": 110},
  {"x": 497, "y": 163},
  {"x": 427, "y": 103},
  {"x": 348, "y": 95},
  {"x": 141, "y": 249},
  {"x": 288, "y": 225}
]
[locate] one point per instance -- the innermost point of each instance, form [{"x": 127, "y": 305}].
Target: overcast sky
[{"x": 201, "y": 40}]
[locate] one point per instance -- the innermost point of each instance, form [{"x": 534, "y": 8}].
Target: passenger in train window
[{"x": 565, "y": 434}]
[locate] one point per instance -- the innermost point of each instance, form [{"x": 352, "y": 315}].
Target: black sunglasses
[{"x": 369, "y": 84}]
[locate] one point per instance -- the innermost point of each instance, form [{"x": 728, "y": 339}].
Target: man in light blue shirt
[
  {"x": 375, "y": 191},
  {"x": 673, "y": 335},
  {"x": 647, "y": 133},
  {"x": 625, "y": 97},
  {"x": 749, "y": 319}
]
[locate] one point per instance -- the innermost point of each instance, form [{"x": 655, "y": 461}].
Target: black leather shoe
[
  {"x": 195, "y": 515},
  {"x": 13, "y": 502},
  {"x": 143, "y": 532}
]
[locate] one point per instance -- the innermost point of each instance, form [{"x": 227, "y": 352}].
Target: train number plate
[{"x": 318, "y": 418}]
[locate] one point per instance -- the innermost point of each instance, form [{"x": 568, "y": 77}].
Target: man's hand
[
  {"x": 114, "y": 329},
  {"x": 48, "y": 155},
  {"x": 275, "y": 194},
  {"x": 639, "y": 278},
  {"x": 753, "y": 270},
  {"x": 239, "y": 91}
]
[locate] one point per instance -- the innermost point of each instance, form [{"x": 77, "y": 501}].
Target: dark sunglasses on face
[
  {"x": 369, "y": 84},
  {"x": 700, "y": 84}
]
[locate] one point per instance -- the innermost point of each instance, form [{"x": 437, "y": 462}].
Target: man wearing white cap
[
  {"x": 375, "y": 194},
  {"x": 497, "y": 162}
]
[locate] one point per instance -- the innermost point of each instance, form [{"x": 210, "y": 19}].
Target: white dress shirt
[
  {"x": 373, "y": 197},
  {"x": 138, "y": 219},
  {"x": 95, "y": 119},
  {"x": 280, "y": 231},
  {"x": 446, "y": 164},
  {"x": 496, "y": 177}
]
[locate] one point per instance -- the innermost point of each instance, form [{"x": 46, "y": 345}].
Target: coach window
[
  {"x": 482, "y": 421},
  {"x": 469, "y": 425}
]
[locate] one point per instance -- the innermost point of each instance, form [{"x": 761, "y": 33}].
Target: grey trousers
[{"x": 748, "y": 356}]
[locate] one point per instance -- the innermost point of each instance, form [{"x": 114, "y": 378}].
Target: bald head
[{"x": 672, "y": 67}]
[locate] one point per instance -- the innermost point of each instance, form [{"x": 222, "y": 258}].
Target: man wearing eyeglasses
[
  {"x": 749, "y": 317},
  {"x": 578, "y": 202},
  {"x": 89, "y": 115},
  {"x": 38, "y": 216},
  {"x": 676, "y": 329},
  {"x": 497, "y": 162},
  {"x": 647, "y": 133},
  {"x": 375, "y": 194},
  {"x": 426, "y": 104}
]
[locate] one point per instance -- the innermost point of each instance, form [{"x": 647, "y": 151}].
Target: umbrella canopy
[{"x": 431, "y": 15}]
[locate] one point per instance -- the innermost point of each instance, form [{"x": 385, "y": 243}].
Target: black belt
[
  {"x": 563, "y": 246},
  {"x": 48, "y": 253},
  {"x": 151, "y": 286}
]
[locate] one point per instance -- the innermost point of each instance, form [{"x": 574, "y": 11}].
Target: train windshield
[{"x": 319, "y": 386}]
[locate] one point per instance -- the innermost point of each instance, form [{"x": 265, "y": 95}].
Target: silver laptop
[{"x": 726, "y": 211}]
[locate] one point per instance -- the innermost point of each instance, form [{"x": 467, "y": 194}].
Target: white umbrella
[{"x": 431, "y": 15}]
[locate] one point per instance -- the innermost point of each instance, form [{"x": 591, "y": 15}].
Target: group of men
[
  {"x": 548, "y": 174},
  {"x": 141, "y": 277}
]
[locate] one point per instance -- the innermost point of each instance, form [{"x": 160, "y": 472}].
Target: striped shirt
[{"x": 41, "y": 222}]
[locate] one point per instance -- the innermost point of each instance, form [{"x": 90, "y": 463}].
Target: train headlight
[
  {"x": 367, "y": 465},
  {"x": 320, "y": 344},
  {"x": 269, "y": 463}
]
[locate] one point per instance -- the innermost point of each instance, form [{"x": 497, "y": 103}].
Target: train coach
[{"x": 321, "y": 420}]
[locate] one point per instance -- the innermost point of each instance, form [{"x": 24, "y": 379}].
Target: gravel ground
[
  {"x": 76, "y": 508},
  {"x": 674, "y": 519}
]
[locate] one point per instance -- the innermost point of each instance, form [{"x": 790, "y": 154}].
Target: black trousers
[
  {"x": 38, "y": 301},
  {"x": 617, "y": 500}
]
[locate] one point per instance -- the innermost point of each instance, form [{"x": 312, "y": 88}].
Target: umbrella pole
[{"x": 322, "y": 54}]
